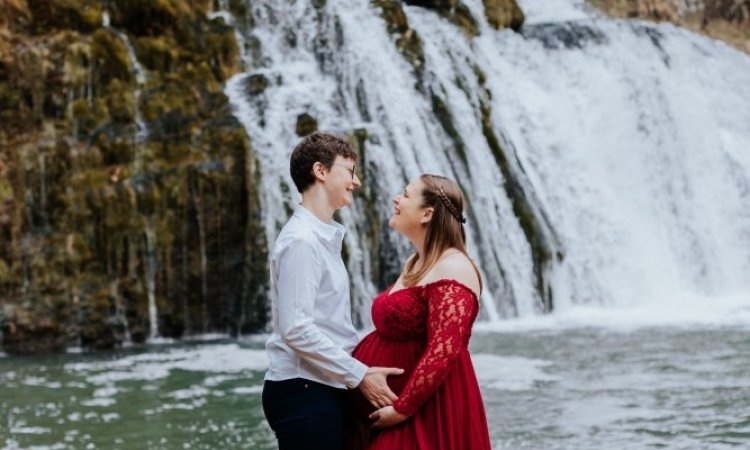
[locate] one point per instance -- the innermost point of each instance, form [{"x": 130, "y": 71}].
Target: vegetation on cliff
[
  {"x": 726, "y": 20},
  {"x": 119, "y": 189}
]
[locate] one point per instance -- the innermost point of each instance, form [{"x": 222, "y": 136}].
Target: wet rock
[
  {"x": 256, "y": 84},
  {"x": 306, "y": 124},
  {"x": 503, "y": 14}
]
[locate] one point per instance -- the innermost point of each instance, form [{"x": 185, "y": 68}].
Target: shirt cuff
[{"x": 355, "y": 376}]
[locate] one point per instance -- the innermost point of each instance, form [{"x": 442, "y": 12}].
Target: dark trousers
[{"x": 305, "y": 414}]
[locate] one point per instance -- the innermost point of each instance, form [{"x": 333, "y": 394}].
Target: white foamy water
[
  {"x": 228, "y": 358},
  {"x": 248, "y": 390},
  {"x": 626, "y": 140},
  {"x": 510, "y": 373}
]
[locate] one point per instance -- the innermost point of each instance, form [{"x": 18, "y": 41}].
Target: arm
[
  {"x": 298, "y": 282},
  {"x": 299, "y": 275},
  {"x": 452, "y": 310}
]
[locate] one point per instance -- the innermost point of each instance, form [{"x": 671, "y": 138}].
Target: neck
[
  {"x": 418, "y": 243},
  {"x": 315, "y": 200}
]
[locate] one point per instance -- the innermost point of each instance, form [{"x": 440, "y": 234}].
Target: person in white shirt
[{"x": 311, "y": 366}]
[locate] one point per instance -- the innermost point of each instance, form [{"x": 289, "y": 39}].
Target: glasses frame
[{"x": 352, "y": 170}]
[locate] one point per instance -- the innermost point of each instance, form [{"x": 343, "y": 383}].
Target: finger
[
  {"x": 374, "y": 403},
  {"x": 394, "y": 371},
  {"x": 374, "y": 416},
  {"x": 391, "y": 396}
]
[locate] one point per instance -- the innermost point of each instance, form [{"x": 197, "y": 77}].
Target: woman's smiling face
[{"x": 409, "y": 214}]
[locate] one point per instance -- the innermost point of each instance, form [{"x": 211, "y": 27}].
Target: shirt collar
[{"x": 331, "y": 232}]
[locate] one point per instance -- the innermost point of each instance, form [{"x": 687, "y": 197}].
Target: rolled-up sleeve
[{"x": 299, "y": 275}]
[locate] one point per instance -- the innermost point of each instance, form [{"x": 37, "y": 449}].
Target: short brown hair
[{"x": 316, "y": 147}]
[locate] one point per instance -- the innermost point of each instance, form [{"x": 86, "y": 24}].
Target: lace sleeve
[{"x": 452, "y": 310}]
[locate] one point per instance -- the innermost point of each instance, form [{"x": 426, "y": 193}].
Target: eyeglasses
[{"x": 352, "y": 170}]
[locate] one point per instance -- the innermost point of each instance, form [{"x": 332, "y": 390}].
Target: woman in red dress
[{"x": 423, "y": 324}]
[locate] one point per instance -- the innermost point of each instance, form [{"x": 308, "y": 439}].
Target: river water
[{"x": 683, "y": 387}]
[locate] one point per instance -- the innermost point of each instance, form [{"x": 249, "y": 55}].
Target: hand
[
  {"x": 387, "y": 417},
  {"x": 375, "y": 388}
]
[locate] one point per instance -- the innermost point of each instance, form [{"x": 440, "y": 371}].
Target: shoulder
[
  {"x": 456, "y": 266},
  {"x": 295, "y": 240}
]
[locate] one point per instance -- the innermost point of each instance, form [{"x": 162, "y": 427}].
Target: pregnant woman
[{"x": 423, "y": 324}]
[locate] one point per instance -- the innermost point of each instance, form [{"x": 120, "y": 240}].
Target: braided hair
[{"x": 451, "y": 207}]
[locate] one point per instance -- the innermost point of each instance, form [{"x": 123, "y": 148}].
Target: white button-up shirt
[{"x": 313, "y": 334}]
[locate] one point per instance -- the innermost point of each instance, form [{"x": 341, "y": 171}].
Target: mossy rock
[
  {"x": 393, "y": 14},
  {"x": 171, "y": 96},
  {"x": 110, "y": 58},
  {"x": 85, "y": 116},
  {"x": 408, "y": 42},
  {"x": 462, "y": 17},
  {"x": 154, "y": 17},
  {"x": 433, "y": 4},
  {"x": 256, "y": 84},
  {"x": 306, "y": 124},
  {"x": 27, "y": 329},
  {"x": 159, "y": 53},
  {"x": 15, "y": 15},
  {"x": 120, "y": 102},
  {"x": 82, "y": 15},
  {"x": 503, "y": 14}
]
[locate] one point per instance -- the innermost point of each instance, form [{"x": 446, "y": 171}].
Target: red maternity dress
[{"x": 425, "y": 330}]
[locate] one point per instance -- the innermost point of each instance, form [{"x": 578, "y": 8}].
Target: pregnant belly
[{"x": 377, "y": 351}]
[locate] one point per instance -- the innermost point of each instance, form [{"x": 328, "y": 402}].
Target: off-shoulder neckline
[{"x": 390, "y": 291}]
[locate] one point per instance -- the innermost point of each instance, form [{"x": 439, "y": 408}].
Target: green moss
[
  {"x": 82, "y": 86},
  {"x": 444, "y": 116},
  {"x": 541, "y": 253},
  {"x": 503, "y": 14},
  {"x": 256, "y": 84},
  {"x": 5, "y": 272},
  {"x": 172, "y": 97},
  {"x": 159, "y": 53},
  {"x": 408, "y": 42},
  {"x": 155, "y": 17},
  {"x": 77, "y": 65},
  {"x": 110, "y": 58},
  {"x": 83, "y": 15},
  {"x": 223, "y": 52},
  {"x": 238, "y": 8},
  {"x": 462, "y": 17},
  {"x": 120, "y": 102},
  {"x": 306, "y": 124}
]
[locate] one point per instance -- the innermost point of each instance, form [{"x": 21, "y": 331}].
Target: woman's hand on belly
[{"x": 387, "y": 417}]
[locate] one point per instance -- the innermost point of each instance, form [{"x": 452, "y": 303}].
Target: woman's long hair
[{"x": 444, "y": 231}]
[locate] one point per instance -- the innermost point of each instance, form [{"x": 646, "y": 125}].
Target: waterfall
[
  {"x": 634, "y": 136},
  {"x": 43, "y": 188},
  {"x": 604, "y": 161},
  {"x": 228, "y": 18},
  {"x": 139, "y": 73},
  {"x": 120, "y": 315},
  {"x": 150, "y": 274}
]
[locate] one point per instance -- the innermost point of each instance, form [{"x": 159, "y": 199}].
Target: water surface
[{"x": 581, "y": 388}]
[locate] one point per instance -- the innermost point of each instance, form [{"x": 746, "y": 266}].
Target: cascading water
[
  {"x": 604, "y": 161},
  {"x": 150, "y": 275},
  {"x": 224, "y": 13},
  {"x": 635, "y": 139},
  {"x": 141, "y": 129}
]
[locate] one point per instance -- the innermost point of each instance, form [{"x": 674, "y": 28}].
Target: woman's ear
[
  {"x": 426, "y": 216},
  {"x": 319, "y": 171}
]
